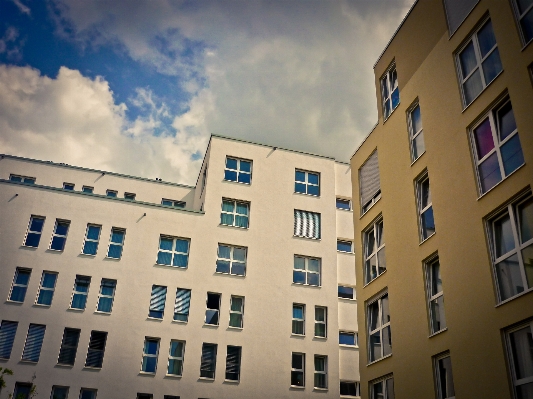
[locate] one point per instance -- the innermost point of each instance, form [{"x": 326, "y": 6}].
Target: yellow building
[{"x": 444, "y": 229}]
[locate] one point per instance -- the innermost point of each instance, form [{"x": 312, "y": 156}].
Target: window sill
[
  {"x": 297, "y": 335},
  {"x": 211, "y": 325},
  {"x": 109, "y": 258},
  {"x": 206, "y": 379},
  {"x": 146, "y": 373},
  {"x": 501, "y": 181},
  {"x": 349, "y": 299},
  {"x": 154, "y": 318},
  {"x": 238, "y": 182},
  {"x": 41, "y": 305},
  {"x": 346, "y": 252},
  {"x": 231, "y": 274},
  {"x": 379, "y": 360},
  {"x": 480, "y": 93},
  {"x": 91, "y": 368},
  {"x": 76, "y": 310},
  {"x": 29, "y": 246},
  {"x": 307, "y": 238},
  {"x": 297, "y": 387},
  {"x": 344, "y": 210},
  {"x": 55, "y": 250},
  {"x": 88, "y": 255},
  {"x": 438, "y": 332},
  {"x": 173, "y": 267},
  {"x": 179, "y": 321},
  {"x": 514, "y": 297},
  {"x": 371, "y": 281},
  {"x": 102, "y": 313},
  {"x": 306, "y": 285},
  {"x": 348, "y": 346},
  {"x": 320, "y": 389},
  {"x": 173, "y": 376},
  {"x": 231, "y": 225},
  {"x": 307, "y": 195},
  {"x": 427, "y": 238},
  {"x": 14, "y": 302},
  {"x": 235, "y": 328},
  {"x": 63, "y": 365},
  {"x": 232, "y": 382},
  {"x": 28, "y": 361},
  {"x": 321, "y": 338}
]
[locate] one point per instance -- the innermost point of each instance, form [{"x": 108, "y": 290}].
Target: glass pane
[
  {"x": 15, "y": 178},
  {"x": 425, "y": 194},
  {"x": 385, "y": 87},
  {"x": 231, "y": 163},
  {"x": 506, "y": 121},
  {"x": 492, "y": 66},
  {"x": 525, "y": 391},
  {"x": 164, "y": 258},
  {"x": 385, "y": 309},
  {"x": 297, "y": 361},
  {"x": 49, "y": 280},
  {"x": 182, "y": 246},
  {"x": 313, "y": 279},
  {"x": 78, "y": 301},
  {"x": 486, "y": 39},
  {"x": 245, "y": 166},
  {"x": 230, "y": 175},
  {"x": 165, "y": 243},
  {"x": 438, "y": 321},
  {"x": 93, "y": 232},
  {"x": 418, "y": 146},
  {"x": 228, "y": 206},
  {"x": 226, "y": 218},
  {"x": 297, "y": 312},
  {"x": 312, "y": 178},
  {"x": 390, "y": 388},
  {"x": 299, "y": 263},
  {"x": 297, "y": 378},
  {"x": 503, "y": 236},
  {"x": 62, "y": 228},
  {"x": 299, "y": 176},
  {"x": 236, "y": 303},
  {"x": 436, "y": 282},
  {"x": 509, "y": 278},
  {"x": 298, "y": 277},
  {"x": 244, "y": 178},
  {"x": 37, "y": 224},
  {"x": 387, "y": 341},
  {"x": 527, "y": 257},
  {"x": 472, "y": 87},
  {"x": 370, "y": 240},
  {"x": 32, "y": 240},
  {"x": 223, "y": 251},
  {"x": 299, "y": 188},
  {"x": 373, "y": 314},
  {"x": 512, "y": 156},
  {"x": 104, "y": 304},
  {"x": 241, "y": 221},
  {"x": 523, "y": 5},
  {"x": 527, "y": 29},
  {"x": 320, "y": 330},
  {"x": 483, "y": 139},
  {"x": 45, "y": 297},
  {"x": 167, "y": 203},
  {"x": 58, "y": 243},
  {"x": 149, "y": 364},
  {"x": 60, "y": 393},
  {"x": 174, "y": 367},
  {"x": 18, "y": 294},
  {"x": 176, "y": 348},
  {"x": 345, "y": 292},
  {"x": 117, "y": 236},
  {"x": 489, "y": 173},
  {"x": 211, "y": 317},
  {"x": 297, "y": 327},
  {"x": 467, "y": 59},
  {"x": 525, "y": 217},
  {"x": 90, "y": 247},
  {"x": 377, "y": 390},
  {"x": 446, "y": 378},
  {"x": 320, "y": 314},
  {"x": 387, "y": 109},
  {"x": 239, "y": 254},
  {"x": 235, "y": 320},
  {"x": 346, "y": 339},
  {"x": 238, "y": 269},
  {"x": 23, "y": 277},
  {"x": 375, "y": 346},
  {"x": 381, "y": 261},
  {"x": 115, "y": 251},
  {"x": 342, "y": 204},
  {"x": 180, "y": 260},
  {"x": 380, "y": 233},
  {"x": 371, "y": 269},
  {"x": 522, "y": 348},
  {"x": 222, "y": 266},
  {"x": 313, "y": 265},
  {"x": 428, "y": 223},
  {"x": 395, "y": 98},
  {"x": 320, "y": 364},
  {"x": 416, "y": 120},
  {"x": 242, "y": 209},
  {"x": 313, "y": 190}
]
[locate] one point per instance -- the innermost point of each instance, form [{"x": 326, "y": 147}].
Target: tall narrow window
[
  {"x": 235, "y": 213},
  {"x": 209, "y": 360},
  {"x": 238, "y": 170},
  {"x": 497, "y": 149},
  {"x": 182, "y": 304},
  {"x": 116, "y": 243},
  {"x": 524, "y": 15},
  {"x": 87, "y": 393},
  {"x": 46, "y": 290},
  {"x": 437, "y": 319},
  {"x": 519, "y": 344},
  {"x": 20, "y": 285},
  {"x": 35, "y": 229},
  {"x": 425, "y": 208},
  {"x": 157, "y": 301},
  {"x": 106, "y": 296},
  {"x": 22, "y": 390},
  {"x": 379, "y": 332},
  {"x": 34, "y": 342},
  {"x": 350, "y": 388},
  {"x": 374, "y": 251},
  {"x": 369, "y": 183},
  {"x": 298, "y": 369},
  {"x": 236, "y": 311},
  {"x": 321, "y": 321},
  {"x": 416, "y": 133},
  {"x": 173, "y": 251},
  {"x": 390, "y": 93},
  {"x": 306, "y": 270},
  {"x": 231, "y": 260},
  {"x": 298, "y": 319},
  {"x": 59, "y": 238},
  {"x": 92, "y": 236},
  {"x": 444, "y": 377},
  {"x": 8, "y": 330},
  {"x": 95, "y": 353},
  {"x": 150, "y": 352},
  {"x": 175, "y": 357},
  {"x": 478, "y": 62},
  {"x": 306, "y": 224},
  {"x": 81, "y": 290},
  {"x": 307, "y": 182},
  {"x": 59, "y": 392},
  {"x": 233, "y": 363},
  {"x": 382, "y": 388},
  {"x": 321, "y": 371},
  {"x": 213, "y": 308},
  {"x": 69, "y": 346}
]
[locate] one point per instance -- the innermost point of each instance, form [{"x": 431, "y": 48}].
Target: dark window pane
[
  {"x": 489, "y": 173},
  {"x": 345, "y": 292},
  {"x": 231, "y": 163},
  {"x": 32, "y": 240},
  {"x": 223, "y": 266},
  {"x": 245, "y": 166},
  {"x": 346, "y": 339},
  {"x": 472, "y": 87},
  {"x": 244, "y": 178},
  {"x": 62, "y": 228},
  {"x": 299, "y": 188},
  {"x": 506, "y": 121},
  {"x": 492, "y": 66},
  {"x": 58, "y": 243},
  {"x": 230, "y": 175},
  {"x": 37, "y": 224},
  {"x": 512, "y": 156},
  {"x": 484, "y": 139},
  {"x": 313, "y": 190}
]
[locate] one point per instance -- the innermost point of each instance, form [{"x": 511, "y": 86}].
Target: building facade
[
  {"x": 123, "y": 287},
  {"x": 443, "y": 238}
]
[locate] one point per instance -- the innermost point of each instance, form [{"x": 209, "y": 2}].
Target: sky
[{"x": 138, "y": 87}]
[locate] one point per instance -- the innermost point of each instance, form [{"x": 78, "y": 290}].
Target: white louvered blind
[
  {"x": 457, "y": 11},
  {"x": 306, "y": 224},
  {"x": 369, "y": 179}
]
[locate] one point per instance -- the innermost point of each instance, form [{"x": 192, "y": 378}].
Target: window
[
  {"x": 378, "y": 321},
  {"x": 344, "y": 204},
  {"x": 46, "y": 290},
  {"x": 86, "y": 393},
  {"x": 87, "y": 189},
  {"x": 22, "y": 179},
  {"x": 173, "y": 251},
  {"x": 20, "y": 284},
  {"x": 524, "y": 14},
  {"x": 22, "y": 390},
  {"x": 350, "y": 388},
  {"x": 416, "y": 133},
  {"x": 170, "y": 397},
  {"x": 231, "y": 260},
  {"x": 321, "y": 372},
  {"x": 209, "y": 360},
  {"x": 213, "y": 308},
  {"x": 321, "y": 321},
  {"x": 238, "y": 170},
  {"x": 298, "y": 319},
  {"x": 116, "y": 243},
  {"x": 59, "y": 392},
  {"x": 306, "y": 270},
  {"x": 437, "y": 320},
  {"x": 68, "y": 186},
  {"x": 157, "y": 301},
  {"x": 382, "y": 389},
  {"x": 511, "y": 236},
  {"x": 390, "y": 93},
  {"x": 106, "y": 295},
  {"x": 204, "y": 180},
  {"x": 182, "y": 304},
  {"x": 519, "y": 342},
  {"x": 95, "y": 353},
  {"x": 81, "y": 290},
  {"x": 175, "y": 357},
  {"x": 129, "y": 196},
  {"x": 111, "y": 193},
  {"x": 145, "y": 396},
  {"x": 173, "y": 203},
  {"x": 346, "y": 292},
  {"x": 92, "y": 236},
  {"x": 457, "y": 11},
  {"x": 344, "y": 246},
  {"x": 478, "y": 62},
  {"x": 233, "y": 363},
  {"x": 369, "y": 184},
  {"x": 35, "y": 228},
  {"x": 347, "y": 338},
  {"x": 34, "y": 342},
  {"x": 235, "y": 213},
  {"x": 374, "y": 252},
  {"x": 496, "y": 145},
  {"x": 69, "y": 346},
  {"x": 236, "y": 311},
  {"x": 59, "y": 237},
  {"x": 150, "y": 352},
  {"x": 298, "y": 370},
  {"x": 444, "y": 377},
  {"x": 307, "y": 182},
  {"x": 8, "y": 330},
  {"x": 306, "y": 224},
  {"x": 425, "y": 208}
]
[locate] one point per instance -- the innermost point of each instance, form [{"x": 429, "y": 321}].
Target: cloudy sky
[{"x": 137, "y": 87}]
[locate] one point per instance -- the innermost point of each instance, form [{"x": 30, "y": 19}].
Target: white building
[{"x": 117, "y": 286}]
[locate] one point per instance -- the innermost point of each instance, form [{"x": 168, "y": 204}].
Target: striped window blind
[
  {"x": 182, "y": 304},
  {"x": 209, "y": 359},
  {"x": 306, "y": 224},
  {"x": 369, "y": 180},
  {"x": 8, "y": 329},
  {"x": 95, "y": 353},
  {"x": 69, "y": 346},
  {"x": 34, "y": 342},
  {"x": 157, "y": 301}
]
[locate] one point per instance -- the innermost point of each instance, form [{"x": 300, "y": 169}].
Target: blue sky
[{"x": 138, "y": 86}]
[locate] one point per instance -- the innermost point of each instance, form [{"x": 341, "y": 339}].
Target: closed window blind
[
  {"x": 369, "y": 179},
  {"x": 157, "y": 301},
  {"x": 95, "y": 353},
  {"x": 208, "y": 364},
  {"x": 8, "y": 329},
  {"x": 306, "y": 224},
  {"x": 34, "y": 342},
  {"x": 457, "y": 11},
  {"x": 182, "y": 304},
  {"x": 233, "y": 363},
  {"x": 69, "y": 346}
]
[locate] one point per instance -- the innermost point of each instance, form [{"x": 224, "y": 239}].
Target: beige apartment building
[
  {"x": 444, "y": 221},
  {"x": 241, "y": 286}
]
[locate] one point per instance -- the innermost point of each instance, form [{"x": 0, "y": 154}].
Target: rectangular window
[
  {"x": 209, "y": 360},
  {"x": 298, "y": 370},
  {"x": 68, "y": 186},
  {"x": 150, "y": 353},
  {"x": 346, "y": 292},
  {"x": 456, "y": 12},
  {"x": 34, "y": 342},
  {"x": 444, "y": 377},
  {"x": 231, "y": 260},
  {"x": 81, "y": 290},
  {"x": 350, "y": 388},
  {"x": 175, "y": 357},
  {"x": 173, "y": 251},
  {"x": 511, "y": 237},
  {"x": 111, "y": 193},
  {"x": 416, "y": 133},
  {"x": 182, "y": 304},
  {"x": 390, "y": 93},
  {"x": 344, "y": 204},
  {"x": 496, "y": 146},
  {"x": 306, "y": 224},
  {"x": 524, "y": 15},
  {"x": 157, "y": 301},
  {"x": 59, "y": 392},
  {"x": 145, "y": 396},
  {"x": 519, "y": 344},
  {"x": 369, "y": 183},
  {"x": 129, "y": 196},
  {"x": 212, "y": 308},
  {"x": 87, "y": 393},
  {"x": 321, "y": 321},
  {"x": 92, "y": 236},
  {"x": 116, "y": 243},
  {"x": 46, "y": 289},
  {"x": 437, "y": 319},
  {"x": 22, "y": 179},
  {"x": 236, "y": 311},
  {"x": 59, "y": 237},
  {"x": 35, "y": 229},
  {"x": 347, "y": 338},
  {"x": 106, "y": 295},
  {"x": 20, "y": 284},
  {"x": 344, "y": 246},
  {"x": 298, "y": 319},
  {"x": 321, "y": 372},
  {"x": 69, "y": 346},
  {"x": 8, "y": 330},
  {"x": 307, "y": 182},
  {"x": 22, "y": 390},
  {"x": 173, "y": 203},
  {"x": 374, "y": 256},
  {"x": 478, "y": 62},
  {"x": 204, "y": 180},
  {"x": 95, "y": 353},
  {"x": 379, "y": 332},
  {"x": 233, "y": 363},
  {"x": 382, "y": 389},
  {"x": 426, "y": 220},
  {"x": 87, "y": 189},
  {"x": 238, "y": 170},
  {"x": 235, "y": 213},
  {"x": 306, "y": 270}
]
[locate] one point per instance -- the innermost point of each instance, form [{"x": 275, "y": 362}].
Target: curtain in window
[
  {"x": 241, "y": 219},
  {"x": 306, "y": 224},
  {"x": 8, "y": 329},
  {"x": 369, "y": 179},
  {"x": 182, "y": 304},
  {"x": 34, "y": 342}
]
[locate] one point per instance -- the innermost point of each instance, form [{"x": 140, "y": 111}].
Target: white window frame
[
  {"x": 66, "y": 347},
  {"x": 306, "y": 183},
  {"x": 175, "y": 303},
  {"x": 176, "y": 358},
  {"x": 212, "y": 309},
  {"x": 238, "y": 170},
  {"x": 121, "y": 244},
  {"x": 175, "y": 203},
  {"x": 353, "y": 298},
  {"x": 414, "y": 135},
  {"x": 231, "y": 259},
  {"x": 237, "y": 363},
  {"x": 422, "y": 210},
  {"x": 357, "y": 388},
  {"x": 234, "y": 213},
  {"x": 321, "y": 322},
  {"x": 74, "y": 292},
  {"x": 376, "y": 249},
  {"x": 385, "y": 80},
  {"x": 173, "y": 251},
  {"x": 150, "y": 309},
  {"x": 29, "y": 231},
  {"x": 519, "y": 17},
  {"x": 15, "y": 284},
  {"x": 428, "y": 265},
  {"x": 55, "y": 234},
  {"x": 97, "y": 241},
  {"x": 436, "y": 368},
  {"x": 149, "y": 355},
  {"x": 237, "y": 312},
  {"x": 346, "y": 200},
  {"x": 298, "y": 320},
  {"x": 213, "y": 364},
  {"x": 355, "y": 338},
  {"x": 307, "y": 271},
  {"x": 23, "y": 179},
  {"x": 321, "y": 372},
  {"x": 100, "y": 295},
  {"x": 41, "y": 288},
  {"x": 302, "y": 224},
  {"x": 296, "y": 370},
  {"x": 385, "y": 387},
  {"x": 511, "y": 361},
  {"x": 380, "y": 327},
  {"x": 54, "y": 387},
  {"x": 345, "y": 242},
  {"x": 26, "y": 356}
]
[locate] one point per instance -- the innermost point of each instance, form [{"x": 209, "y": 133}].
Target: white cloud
[{"x": 23, "y": 8}]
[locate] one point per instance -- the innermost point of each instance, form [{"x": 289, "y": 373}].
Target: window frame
[
  {"x": 150, "y": 355},
  {"x": 116, "y": 244},
  {"x": 68, "y": 347},
  {"x": 373, "y": 228},
  {"x": 518, "y": 19},
  {"x": 320, "y": 372},
  {"x": 341, "y": 241},
  {"x": 298, "y": 320},
  {"x": 213, "y": 364},
  {"x": 68, "y": 186},
  {"x": 154, "y": 305},
  {"x": 511, "y": 363},
  {"x": 345, "y": 200},
  {"x": 297, "y": 370},
  {"x": 41, "y": 288},
  {"x": 101, "y": 295},
  {"x": 376, "y": 196},
  {"x": 231, "y": 259},
  {"x": 321, "y": 322},
  {"x": 175, "y": 203},
  {"x": 234, "y": 214},
  {"x": 429, "y": 276},
  {"x": 35, "y": 232},
  {"x": 313, "y": 233},
  {"x": 385, "y": 387},
  {"x": 357, "y": 388},
  {"x": 421, "y": 210},
  {"x": 8, "y": 333},
  {"x": 111, "y": 193},
  {"x": 176, "y": 358},
  {"x": 353, "y": 298},
  {"x": 87, "y": 239},
  {"x": 15, "y": 284},
  {"x": 129, "y": 196},
  {"x": 236, "y": 312},
  {"x": 212, "y": 309},
  {"x": 173, "y": 251},
  {"x": 381, "y": 327},
  {"x": 87, "y": 189},
  {"x": 414, "y": 135},
  {"x": 307, "y": 271},
  {"x": 385, "y": 80},
  {"x": 52, "y": 393},
  {"x": 306, "y": 182},
  {"x": 100, "y": 351},
  {"x": 437, "y": 373},
  {"x": 74, "y": 292},
  {"x": 237, "y": 364},
  {"x": 59, "y": 236},
  {"x": 13, "y": 177},
  {"x": 83, "y": 390},
  {"x": 178, "y": 289},
  {"x": 355, "y": 339},
  {"x": 30, "y": 344},
  {"x": 238, "y": 170}
]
